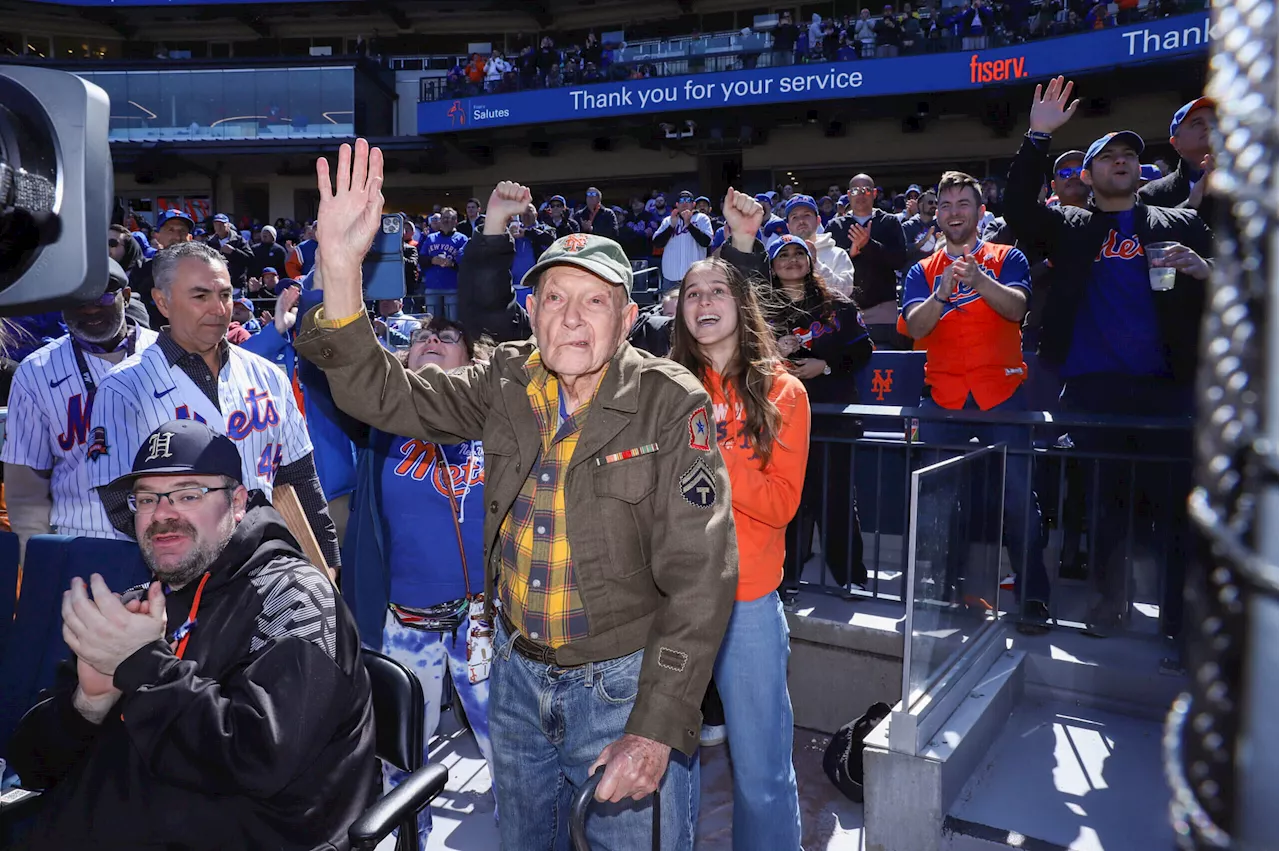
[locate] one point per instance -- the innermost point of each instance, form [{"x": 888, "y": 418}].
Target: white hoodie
[{"x": 834, "y": 263}]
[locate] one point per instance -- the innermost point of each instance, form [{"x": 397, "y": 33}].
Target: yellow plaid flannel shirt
[{"x": 537, "y": 586}]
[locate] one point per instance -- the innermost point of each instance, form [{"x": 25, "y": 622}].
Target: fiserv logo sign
[{"x": 996, "y": 70}]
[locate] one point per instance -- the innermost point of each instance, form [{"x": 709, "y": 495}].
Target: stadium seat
[
  {"x": 35, "y": 646},
  {"x": 8, "y": 584}
]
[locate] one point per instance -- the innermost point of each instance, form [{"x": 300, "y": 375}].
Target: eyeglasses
[
  {"x": 448, "y": 336},
  {"x": 861, "y": 190},
  {"x": 183, "y": 499},
  {"x": 113, "y": 243},
  {"x": 1069, "y": 172},
  {"x": 593, "y": 194}
]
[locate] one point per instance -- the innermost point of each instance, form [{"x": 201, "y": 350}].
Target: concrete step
[{"x": 1064, "y": 776}]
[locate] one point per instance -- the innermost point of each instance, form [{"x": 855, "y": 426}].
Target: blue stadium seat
[
  {"x": 35, "y": 645},
  {"x": 8, "y": 584}
]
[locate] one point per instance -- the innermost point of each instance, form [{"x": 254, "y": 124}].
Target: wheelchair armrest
[{"x": 417, "y": 790}]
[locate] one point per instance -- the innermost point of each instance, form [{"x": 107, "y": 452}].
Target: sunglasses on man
[
  {"x": 113, "y": 243},
  {"x": 1069, "y": 172}
]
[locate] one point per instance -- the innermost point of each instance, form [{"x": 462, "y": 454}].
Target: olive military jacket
[{"x": 652, "y": 536}]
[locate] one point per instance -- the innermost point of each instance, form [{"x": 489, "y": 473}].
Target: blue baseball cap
[
  {"x": 1187, "y": 109},
  {"x": 175, "y": 214},
  {"x": 843, "y": 200},
  {"x": 245, "y": 303},
  {"x": 702, "y": 198},
  {"x": 1115, "y": 136},
  {"x": 798, "y": 201},
  {"x": 1151, "y": 172},
  {"x": 271, "y": 269},
  {"x": 915, "y": 187},
  {"x": 764, "y": 198},
  {"x": 785, "y": 240},
  {"x": 222, "y": 217},
  {"x": 555, "y": 198}
]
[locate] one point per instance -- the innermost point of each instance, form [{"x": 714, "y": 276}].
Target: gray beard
[{"x": 77, "y": 331}]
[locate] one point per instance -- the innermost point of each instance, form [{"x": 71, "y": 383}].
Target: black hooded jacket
[{"x": 260, "y": 737}]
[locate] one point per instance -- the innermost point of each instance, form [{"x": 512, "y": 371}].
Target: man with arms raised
[
  {"x": 609, "y": 540},
  {"x": 223, "y": 706}
]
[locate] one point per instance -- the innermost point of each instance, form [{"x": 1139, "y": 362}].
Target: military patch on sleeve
[
  {"x": 97, "y": 443},
  {"x": 699, "y": 431},
  {"x": 698, "y": 485}
]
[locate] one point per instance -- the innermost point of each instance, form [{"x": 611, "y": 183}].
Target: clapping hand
[
  {"x": 1050, "y": 111},
  {"x": 349, "y": 216},
  {"x": 102, "y": 631},
  {"x": 1197, "y": 192},
  {"x": 859, "y": 235}
]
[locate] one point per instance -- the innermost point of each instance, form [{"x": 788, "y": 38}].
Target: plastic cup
[{"x": 1160, "y": 277}]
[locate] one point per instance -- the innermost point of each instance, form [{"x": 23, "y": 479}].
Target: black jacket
[
  {"x": 142, "y": 281},
  {"x": 837, "y": 334},
  {"x": 652, "y": 331},
  {"x": 1072, "y": 238},
  {"x": 486, "y": 297},
  {"x": 264, "y": 255},
  {"x": 239, "y": 259},
  {"x": 260, "y": 737},
  {"x": 468, "y": 230},
  {"x": 1174, "y": 189},
  {"x": 604, "y": 224},
  {"x": 875, "y": 269}
]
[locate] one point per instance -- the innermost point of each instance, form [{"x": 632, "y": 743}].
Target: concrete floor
[
  {"x": 463, "y": 814},
  {"x": 1076, "y": 778}
]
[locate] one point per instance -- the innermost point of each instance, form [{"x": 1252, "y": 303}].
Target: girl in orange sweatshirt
[{"x": 762, "y": 428}]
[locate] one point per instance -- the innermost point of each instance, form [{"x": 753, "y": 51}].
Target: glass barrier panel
[{"x": 953, "y": 564}]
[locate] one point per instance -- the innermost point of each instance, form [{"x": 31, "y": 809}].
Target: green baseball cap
[{"x": 599, "y": 255}]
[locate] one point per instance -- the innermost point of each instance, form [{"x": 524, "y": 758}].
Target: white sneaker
[
  {"x": 712, "y": 736},
  {"x": 1008, "y": 582}
]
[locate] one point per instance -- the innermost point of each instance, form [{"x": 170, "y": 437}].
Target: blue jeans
[
  {"x": 751, "y": 676},
  {"x": 1023, "y": 532},
  {"x": 426, "y": 654},
  {"x": 549, "y": 725}
]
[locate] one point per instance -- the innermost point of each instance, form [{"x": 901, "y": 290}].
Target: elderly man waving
[{"x": 608, "y": 534}]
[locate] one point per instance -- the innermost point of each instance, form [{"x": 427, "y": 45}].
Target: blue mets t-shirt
[{"x": 1116, "y": 328}]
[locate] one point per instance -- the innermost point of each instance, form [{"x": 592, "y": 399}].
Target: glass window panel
[
  {"x": 143, "y": 104},
  {"x": 235, "y": 115}
]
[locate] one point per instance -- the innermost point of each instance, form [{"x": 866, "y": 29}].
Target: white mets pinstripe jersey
[
  {"x": 257, "y": 411},
  {"x": 48, "y": 426}
]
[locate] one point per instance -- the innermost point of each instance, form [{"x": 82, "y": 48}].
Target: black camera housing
[{"x": 53, "y": 125}]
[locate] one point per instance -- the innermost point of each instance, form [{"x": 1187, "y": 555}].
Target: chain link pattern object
[{"x": 1234, "y": 575}]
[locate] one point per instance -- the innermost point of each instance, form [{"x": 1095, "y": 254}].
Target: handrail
[{"x": 1032, "y": 418}]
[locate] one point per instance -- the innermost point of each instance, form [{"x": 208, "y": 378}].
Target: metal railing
[{"x": 1111, "y": 494}]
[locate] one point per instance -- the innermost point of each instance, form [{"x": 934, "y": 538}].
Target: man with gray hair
[
  {"x": 609, "y": 539},
  {"x": 267, "y": 253},
  {"x": 193, "y": 373}
]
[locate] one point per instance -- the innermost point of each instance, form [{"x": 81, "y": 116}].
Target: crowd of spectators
[
  {"x": 893, "y": 30},
  {"x": 1097, "y": 262}
]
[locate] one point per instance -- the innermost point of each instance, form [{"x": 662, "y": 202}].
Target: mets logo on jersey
[
  {"x": 78, "y": 415},
  {"x": 1116, "y": 248},
  {"x": 262, "y": 416},
  {"x": 421, "y": 461},
  {"x": 815, "y": 329}
]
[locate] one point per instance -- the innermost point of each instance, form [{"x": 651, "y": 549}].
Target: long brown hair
[{"x": 751, "y": 373}]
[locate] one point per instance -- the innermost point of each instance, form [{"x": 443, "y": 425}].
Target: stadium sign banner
[{"x": 1164, "y": 39}]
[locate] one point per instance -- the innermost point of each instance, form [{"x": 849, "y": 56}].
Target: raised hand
[
  {"x": 349, "y": 217},
  {"x": 743, "y": 214},
  {"x": 287, "y": 309},
  {"x": 507, "y": 201},
  {"x": 1050, "y": 111}
]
